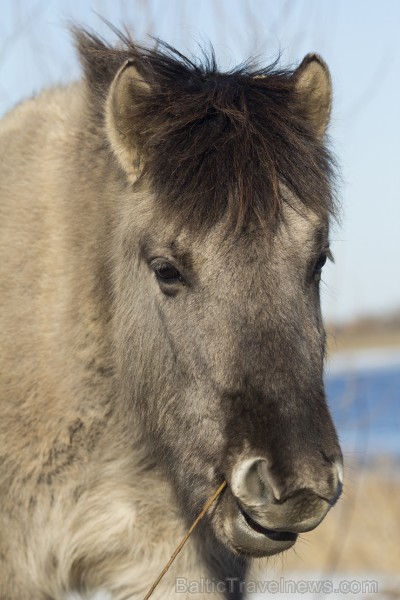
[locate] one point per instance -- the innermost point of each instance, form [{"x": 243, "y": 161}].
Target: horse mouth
[
  {"x": 247, "y": 537},
  {"x": 279, "y": 536}
]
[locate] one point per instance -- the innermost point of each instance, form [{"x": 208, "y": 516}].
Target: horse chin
[{"x": 245, "y": 536}]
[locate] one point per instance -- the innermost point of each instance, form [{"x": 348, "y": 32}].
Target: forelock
[{"x": 216, "y": 144}]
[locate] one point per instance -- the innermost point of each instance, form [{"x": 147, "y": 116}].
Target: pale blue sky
[{"x": 358, "y": 38}]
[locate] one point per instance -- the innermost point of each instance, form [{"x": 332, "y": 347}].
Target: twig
[{"x": 184, "y": 540}]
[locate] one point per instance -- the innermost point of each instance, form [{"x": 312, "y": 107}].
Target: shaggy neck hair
[{"x": 212, "y": 143}]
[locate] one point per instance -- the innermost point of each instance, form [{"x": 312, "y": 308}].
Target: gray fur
[{"x": 123, "y": 406}]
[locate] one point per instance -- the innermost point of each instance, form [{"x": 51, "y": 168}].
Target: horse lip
[
  {"x": 245, "y": 536},
  {"x": 273, "y": 534}
]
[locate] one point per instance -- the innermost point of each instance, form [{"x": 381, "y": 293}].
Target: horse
[{"x": 164, "y": 229}]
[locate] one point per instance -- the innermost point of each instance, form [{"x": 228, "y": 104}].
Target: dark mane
[{"x": 214, "y": 142}]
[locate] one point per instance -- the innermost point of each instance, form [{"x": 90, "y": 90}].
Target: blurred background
[{"x": 359, "y": 39}]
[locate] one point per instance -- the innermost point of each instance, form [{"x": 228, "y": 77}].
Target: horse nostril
[
  {"x": 339, "y": 470},
  {"x": 252, "y": 484},
  {"x": 339, "y": 482},
  {"x": 294, "y": 505}
]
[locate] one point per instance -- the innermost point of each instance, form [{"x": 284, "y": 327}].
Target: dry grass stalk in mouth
[{"x": 184, "y": 540}]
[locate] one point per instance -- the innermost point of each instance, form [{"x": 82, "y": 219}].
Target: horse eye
[
  {"x": 166, "y": 273},
  {"x": 318, "y": 266}
]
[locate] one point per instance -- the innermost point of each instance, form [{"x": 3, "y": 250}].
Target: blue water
[{"x": 364, "y": 397}]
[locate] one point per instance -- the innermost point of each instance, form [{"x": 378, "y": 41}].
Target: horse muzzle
[{"x": 260, "y": 519}]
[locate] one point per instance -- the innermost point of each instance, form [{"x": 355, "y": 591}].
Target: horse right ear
[
  {"x": 314, "y": 92},
  {"x": 127, "y": 91}
]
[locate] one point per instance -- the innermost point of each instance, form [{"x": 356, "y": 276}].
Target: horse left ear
[
  {"x": 127, "y": 91},
  {"x": 313, "y": 87}
]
